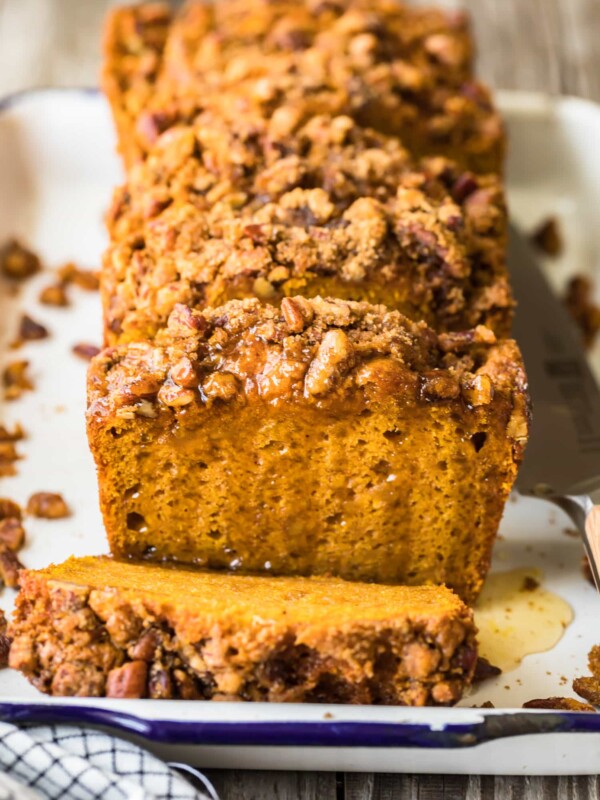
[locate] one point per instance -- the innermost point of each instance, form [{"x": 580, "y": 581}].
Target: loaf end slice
[{"x": 95, "y": 627}]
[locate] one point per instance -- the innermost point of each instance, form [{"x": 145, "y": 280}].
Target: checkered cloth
[{"x": 57, "y": 761}]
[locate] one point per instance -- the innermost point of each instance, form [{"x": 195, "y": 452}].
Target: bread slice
[
  {"x": 405, "y": 71},
  {"x": 325, "y": 437},
  {"x": 92, "y": 627},
  {"x": 229, "y": 209}
]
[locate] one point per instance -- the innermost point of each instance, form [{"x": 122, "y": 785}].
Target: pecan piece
[
  {"x": 17, "y": 261},
  {"x": 439, "y": 385},
  {"x": 548, "y": 237},
  {"x": 4, "y": 641},
  {"x": 47, "y": 505},
  {"x": 54, "y": 295},
  {"x": 183, "y": 373},
  {"x": 9, "y": 567},
  {"x": 12, "y": 533},
  {"x": 12, "y": 436},
  {"x": 145, "y": 647},
  {"x": 130, "y": 680},
  {"x": 85, "y": 351},
  {"x": 160, "y": 684},
  {"x": 588, "y": 688},
  {"x": 8, "y": 456},
  {"x": 292, "y": 314},
  {"x": 15, "y": 380},
  {"x": 579, "y": 299},
  {"x": 220, "y": 386},
  {"x": 8, "y": 508},
  {"x": 559, "y": 704},
  {"x": 30, "y": 330},
  {"x": 334, "y": 355},
  {"x": 175, "y": 396},
  {"x": 86, "y": 279}
]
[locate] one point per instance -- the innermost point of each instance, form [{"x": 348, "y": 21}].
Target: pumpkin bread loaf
[
  {"x": 324, "y": 437},
  {"x": 220, "y": 211},
  {"x": 93, "y": 627},
  {"x": 402, "y": 70}
]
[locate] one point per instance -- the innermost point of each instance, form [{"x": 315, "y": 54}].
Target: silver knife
[{"x": 562, "y": 460}]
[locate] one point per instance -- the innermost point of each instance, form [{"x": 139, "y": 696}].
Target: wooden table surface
[{"x": 547, "y": 45}]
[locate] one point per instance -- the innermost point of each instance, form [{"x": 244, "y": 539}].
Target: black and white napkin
[{"x": 70, "y": 763}]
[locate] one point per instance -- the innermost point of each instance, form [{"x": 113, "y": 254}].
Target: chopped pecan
[
  {"x": 548, "y": 237},
  {"x": 174, "y": 396},
  {"x": 9, "y": 567},
  {"x": 457, "y": 342},
  {"x": 16, "y": 380},
  {"x": 292, "y": 313},
  {"x": 47, "y": 505},
  {"x": 30, "y": 330},
  {"x": 8, "y": 508},
  {"x": 86, "y": 279},
  {"x": 439, "y": 385},
  {"x": 579, "y": 299},
  {"x": 187, "y": 686},
  {"x": 334, "y": 355},
  {"x": 478, "y": 391},
  {"x": 160, "y": 683},
  {"x": 85, "y": 351},
  {"x": 484, "y": 670},
  {"x": 183, "y": 321},
  {"x": 220, "y": 386},
  {"x": 12, "y": 533},
  {"x": 559, "y": 704},
  {"x": 130, "y": 680},
  {"x": 12, "y": 436},
  {"x": 184, "y": 374},
  {"x": 54, "y": 295},
  {"x": 588, "y": 688},
  {"x": 17, "y": 261},
  {"x": 145, "y": 647},
  {"x": 8, "y": 456}
]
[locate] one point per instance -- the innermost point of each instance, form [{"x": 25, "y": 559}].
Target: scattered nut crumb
[
  {"x": 54, "y": 295},
  {"x": 579, "y": 299},
  {"x": 47, "y": 505},
  {"x": 8, "y": 508},
  {"x": 8, "y": 456},
  {"x": 487, "y": 704},
  {"x": 548, "y": 237},
  {"x": 15, "y": 436},
  {"x": 30, "y": 330},
  {"x": 588, "y": 688},
  {"x": 12, "y": 533},
  {"x": 84, "y": 278},
  {"x": 572, "y": 532},
  {"x": 16, "y": 261},
  {"x": 15, "y": 380},
  {"x": 9, "y": 567},
  {"x": 559, "y": 704},
  {"x": 485, "y": 670},
  {"x": 530, "y": 584},
  {"x": 86, "y": 351}
]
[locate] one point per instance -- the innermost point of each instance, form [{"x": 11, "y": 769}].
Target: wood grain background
[{"x": 543, "y": 45}]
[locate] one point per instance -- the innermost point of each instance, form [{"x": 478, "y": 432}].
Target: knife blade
[{"x": 562, "y": 460}]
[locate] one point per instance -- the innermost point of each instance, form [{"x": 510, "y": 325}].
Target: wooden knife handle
[{"x": 592, "y": 529}]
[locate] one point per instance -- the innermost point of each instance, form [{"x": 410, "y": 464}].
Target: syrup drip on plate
[{"x": 517, "y": 617}]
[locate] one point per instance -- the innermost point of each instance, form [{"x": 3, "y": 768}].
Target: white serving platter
[{"x": 57, "y": 168}]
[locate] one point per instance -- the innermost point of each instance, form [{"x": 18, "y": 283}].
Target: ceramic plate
[{"x": 57, "y": 168}]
